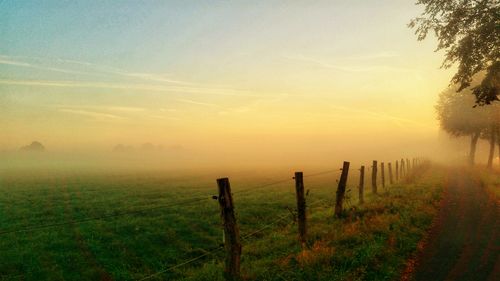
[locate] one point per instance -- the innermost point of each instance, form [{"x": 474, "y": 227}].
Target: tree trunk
[
  {"x": 473, "y": 144},
  {"x": 498, "y": 140},
  {"x": 492, "y": 147}
]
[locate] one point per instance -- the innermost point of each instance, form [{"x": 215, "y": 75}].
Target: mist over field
[
  {"x": 275, "y": 153},
  {"x": 242, "y": 85}
]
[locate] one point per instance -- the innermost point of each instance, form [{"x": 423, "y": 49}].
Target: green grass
[{"x": 372, "y": 242}]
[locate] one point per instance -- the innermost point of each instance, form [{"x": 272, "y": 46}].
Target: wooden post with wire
[
  {"x": 361, "y": 185},
  {"x": 341, "y": 189},
  {"x": 382, "y": 174},
  {"x": 389, "y": 166},
  {"x": 231, "y": 232},
  {"x": 301, "y": 207},
  {"x": 397, "y": 170},
  {"x": 374, "y": 177}
]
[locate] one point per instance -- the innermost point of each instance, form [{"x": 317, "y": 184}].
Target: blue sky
[{"x": 155, "y": 35}]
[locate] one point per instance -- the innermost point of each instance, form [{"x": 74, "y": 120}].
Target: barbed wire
[
  {"x": 163, "y": 271},
  {"x": 321, "y": 173},
  {"x": 281, "y": 218},
  {"x": 261, "y": 186},
  {"x": 119, "y": 214},
  {"x": 246, "y": 236},
  {"x": 187, "y": 201},
  {"x": 281, "y": 181},
  {"x": 102, "y": 217},
  {"x": 317, "y": 201}
]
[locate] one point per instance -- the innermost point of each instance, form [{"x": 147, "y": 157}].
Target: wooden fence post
[
  {"x": 397, "y": 170},
  {"x": 382, "y": 174},
  {"x": 341, "y": 189},
  {"x": 301, "y": 207},
  {"x": 361, "y": 185},
  {"x": 390, "y": 172},
  {"x": 403, "y": 172},
  {"x": 374, "y": 177},
  {"x": 231, "y": 232}
]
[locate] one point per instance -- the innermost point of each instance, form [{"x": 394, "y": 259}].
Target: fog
[
  {"x": 258, "y": 87},
  {"x": 269, "y": 155}
]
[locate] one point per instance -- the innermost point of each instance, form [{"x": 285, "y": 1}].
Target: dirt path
[{"x": 464, "y": 243}]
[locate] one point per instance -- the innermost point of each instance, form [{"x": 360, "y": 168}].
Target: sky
[{"x": 240, "y": 78}]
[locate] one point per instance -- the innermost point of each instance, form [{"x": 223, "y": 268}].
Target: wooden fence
[{"x": 232, "y": 243}]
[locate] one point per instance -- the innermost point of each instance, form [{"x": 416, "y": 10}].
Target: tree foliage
[
  {"x": 456, "y": 113},
  {"x": 469, "y": 33}
]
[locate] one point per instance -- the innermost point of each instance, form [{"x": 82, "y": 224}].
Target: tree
[
  {"x": 33, "y": 146},
  {"x": 459, "y": 117},
  {"x": 491, "y": 132},
  {"x": 469, "y": 33}
]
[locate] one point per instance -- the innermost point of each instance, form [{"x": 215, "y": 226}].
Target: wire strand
[
  {"x": 282, "y": 181},
  {"x": 43, "y": 226},
  {"x": 261, "y": 186},
  {"x": 321, "y": 173},
  {"x": 119, "y": 214},
  {"x": 281, "y": 218},
  {"x": 181, "y": 264},
  {"x": 244, "y": 237}
]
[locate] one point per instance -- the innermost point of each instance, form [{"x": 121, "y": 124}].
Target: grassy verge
[{"x": 372, "y": 242}]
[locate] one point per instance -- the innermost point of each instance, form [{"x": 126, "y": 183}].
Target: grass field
[{"x": 146, "y": 229}]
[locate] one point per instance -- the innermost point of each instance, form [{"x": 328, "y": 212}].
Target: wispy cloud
[
  {"x": 253, "y": 105},
  {"x": 110, "y": 111},
  {"x": 158, "y": 82},
  {"x": 196, "y": 102},
  {"x": 94, "y": 114},
  {"x": 155, "y": 77},
  {"x": 381, "y": 116},
  {"x": 39, "y": 67},
  {"x": 347, "y": 67},
  {"x": 125, "y": 108},
  {"x": 168, "y": 109},
  {"x": 162, "y": 117},
  {"x": 112, "y": 108},
  {"x": 95, "y": 69},
  {"x": 371, "y": 56},
  {"x": 130, "y": 86}
]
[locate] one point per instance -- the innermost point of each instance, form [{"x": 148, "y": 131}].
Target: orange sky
[{"x": 224, "y": 78}]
